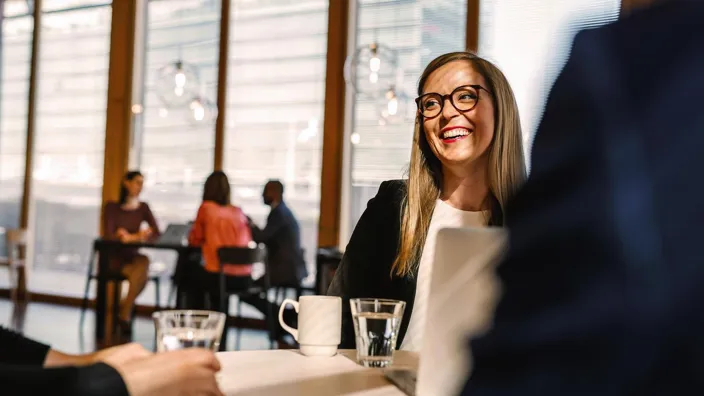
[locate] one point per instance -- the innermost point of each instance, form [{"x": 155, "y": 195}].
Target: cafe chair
[
  {"x": 113, "y": 277},
  {"x": 244, "y": 255},
  {"x": 16, "y": 244},
  {"x": 281, "y": 291},
  {"x": 327, "y": 260}
]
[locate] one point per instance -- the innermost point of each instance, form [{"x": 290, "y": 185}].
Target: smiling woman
[{"x": 466, "y": 162}]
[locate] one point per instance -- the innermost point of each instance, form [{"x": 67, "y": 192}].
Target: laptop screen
[
  {"x": 175, "y": 234},
  {"x": 463, "y": 276}
]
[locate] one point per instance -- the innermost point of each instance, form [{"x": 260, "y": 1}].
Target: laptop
[
  {"x": 175, "y": 234},
  {"x": 463, "y": 275}
]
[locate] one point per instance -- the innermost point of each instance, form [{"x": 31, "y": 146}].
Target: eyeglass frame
[{"x": 444, "y": 98}]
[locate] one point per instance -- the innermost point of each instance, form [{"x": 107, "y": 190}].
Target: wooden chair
[{"x": 16, "y": 243}]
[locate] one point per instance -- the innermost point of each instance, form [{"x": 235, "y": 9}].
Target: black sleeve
[
  {"x": 16, "y": 349},
  {"x": 368, "y": 259},
  {"x": 98, "y": 379}
]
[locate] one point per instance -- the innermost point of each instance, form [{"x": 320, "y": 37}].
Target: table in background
[
  {"x": 104, "y": 299},
  {"x": 287, "y": 372}
]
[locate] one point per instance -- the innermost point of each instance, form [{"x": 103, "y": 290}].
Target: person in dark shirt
[
  {"x": 123, "y": 221},
  {"x": 28, "y": 367},
  {"x": 282, "y": 237},
  {"x": 603, "y": 280}
]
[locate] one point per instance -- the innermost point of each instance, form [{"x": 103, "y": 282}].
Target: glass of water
[
  {"x": 181, "y": 329},
  {"x": 376, "y": 325}
]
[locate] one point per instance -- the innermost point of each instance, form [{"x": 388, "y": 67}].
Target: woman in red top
[
  {"x": 123, "y": 221},
  {"x": 218, "y": 224}
]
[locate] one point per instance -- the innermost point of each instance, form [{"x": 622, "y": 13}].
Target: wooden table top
[{"x": 287, "y": 372}]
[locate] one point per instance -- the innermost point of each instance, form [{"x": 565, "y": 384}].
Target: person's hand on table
[
  {"x": 121, "y": 354},
  {"x": 116, "y": 355},
  {"x": 145, "y": 234},
  {"x": 184, "y": 372},
  {"x": 122, "y": 235}
]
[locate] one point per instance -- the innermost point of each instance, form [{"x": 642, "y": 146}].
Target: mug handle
[{"x": 291, "y": 330}]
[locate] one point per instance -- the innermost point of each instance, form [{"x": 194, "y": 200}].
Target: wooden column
[
  {"x": 333, "y": 125},
  {"x": 118, "y": 120},
  {"x": 31, "y": 113},
  {"x": 472, "y": 33},
  {"x": 118, "y": 131},
  {"x": 222, "y": 84}
]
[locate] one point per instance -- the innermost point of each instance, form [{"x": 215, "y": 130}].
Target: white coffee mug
[{"x": 319, "y": 324}]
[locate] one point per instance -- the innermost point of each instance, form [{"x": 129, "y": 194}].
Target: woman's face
[
  {"x": 134, "y": 186},
  {"x": 458, "y": 138}
]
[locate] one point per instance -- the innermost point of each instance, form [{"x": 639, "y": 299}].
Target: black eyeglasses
[{"x": 463, "y": 98}]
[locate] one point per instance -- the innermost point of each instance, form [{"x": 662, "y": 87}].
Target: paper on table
[{"x": 251, "y": 369}]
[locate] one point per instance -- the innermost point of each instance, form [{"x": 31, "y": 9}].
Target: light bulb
[
  {"x": 180, "y": 79},
  {"x": 373, "y": 78},
  {"x": 163, "y": 112},
  {"x": 178, "y": 91},
  {"x": 199, "y": 113},
  {"x": 375, "y": 64},
  {"x": 392, "y": 106},
  {"x": 354, "y": 138}
]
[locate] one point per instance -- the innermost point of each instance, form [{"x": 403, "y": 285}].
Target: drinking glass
[
  {"x": 179, "y": 329},
  {"x": 376, "y": 325}
]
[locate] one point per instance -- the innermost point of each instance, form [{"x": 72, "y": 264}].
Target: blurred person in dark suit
[
  {"x": 603, "y": 285},
  {"x": 282, "y": 237}
]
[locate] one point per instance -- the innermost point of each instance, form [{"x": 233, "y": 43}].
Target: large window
[
  {"x": 276, "y": 89},
  {"x": 418, "y": 30},
  {"x": 173, "y": 146},
  {"x": 67, "y": 169},
  {"x": 16, "y": 49},
  {"x": 530, "y": 41}
]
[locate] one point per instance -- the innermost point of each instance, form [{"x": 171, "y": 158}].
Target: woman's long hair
[
  {"x": 506, "y": 164},
  {"x": 217, "y": 188},
  {"x": 129, "y": 176}
]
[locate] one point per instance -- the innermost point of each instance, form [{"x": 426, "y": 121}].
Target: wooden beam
[
  {"x": 31, "y": 113},
  {"x": 222, "y": 84},
  {"x": 472, "y": 33},
  {"x": 118, "y": 120},
  {"x": 333, "y": 125}
]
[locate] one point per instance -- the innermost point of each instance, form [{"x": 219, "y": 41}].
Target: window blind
[
  {"x": 530, "y": 41},
  {"x": 418, "y": 30}
]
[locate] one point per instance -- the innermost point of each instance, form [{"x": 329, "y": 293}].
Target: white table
[{"x": 287, "y": 372}]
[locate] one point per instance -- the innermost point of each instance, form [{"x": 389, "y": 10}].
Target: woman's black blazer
[{"x": 365, "y": 270}]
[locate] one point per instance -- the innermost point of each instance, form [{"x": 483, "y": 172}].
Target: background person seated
[
  {"x": 282, "y": 237},
  {"x": 217, "y": 224},
  {"x": 123, "y": 220}
]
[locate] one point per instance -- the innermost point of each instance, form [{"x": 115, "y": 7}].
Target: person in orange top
[{"x": 218, "y": 223}]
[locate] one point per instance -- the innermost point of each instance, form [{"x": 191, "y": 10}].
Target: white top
[{"x": 444, "y": 216}]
